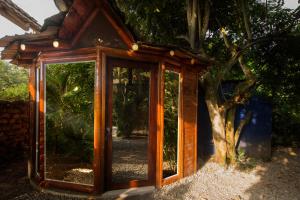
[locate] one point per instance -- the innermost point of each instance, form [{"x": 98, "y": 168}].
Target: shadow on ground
[{"x": 278, "y": 179}]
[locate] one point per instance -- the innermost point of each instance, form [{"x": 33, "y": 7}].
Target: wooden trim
[
  {"x": 103, "y": 118},
  {"x": 130, "y": 184},
  {"x": 32, "y": 106},
  {"x": 138, "y": 55},
  {"x": 84, "y": 54},
  {"x": 42, "y": 121},
  {"x": 68, "y": 186},
  {"x": 108, "y": 125},
  {"x": 97, "y": 125},
  {"x": 151, "y": 151},
  {"x": 160, "y": 126},
  {"x": 152, "y": 127},
  {"x": 180, "y": 144},
  {"x": 84, "y": 27},
  {"x": 196, "y": 128},
  {"x": 181, "y": 127},
  {"x": 97, "y": 119},
  {"x": 171, "y": 179},
  {"x": 126, "y": 37}
]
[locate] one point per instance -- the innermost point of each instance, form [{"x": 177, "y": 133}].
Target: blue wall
[{"x": 256, "y": 135}]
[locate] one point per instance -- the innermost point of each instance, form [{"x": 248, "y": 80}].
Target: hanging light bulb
[
  {"x": 135, "y": 47},
  {"x": 172, "y": 53},
  {"x": 23, "y": 47},
  {"x": 193, "y": 61},
  {"x": 55, "y": 44}
]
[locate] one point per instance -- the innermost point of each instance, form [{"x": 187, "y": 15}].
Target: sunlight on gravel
[{"x": 278, "y": 180}]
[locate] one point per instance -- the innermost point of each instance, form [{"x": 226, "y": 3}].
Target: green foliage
[
  {"x": 130, "y": 100},
  {"x": 245, "y": 163},
  {"x": 274, "y": 62},
  {"x": 13, "y": 82},
  {"x": 171, "y": 100},
  {"x": 69, "y": 114},
  {"x": 158, "y": 21}
]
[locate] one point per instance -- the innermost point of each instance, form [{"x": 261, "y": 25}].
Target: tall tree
[{"x": 225, "y": 34}]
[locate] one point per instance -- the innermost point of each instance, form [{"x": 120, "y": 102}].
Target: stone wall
[{"x": 14, "y": 129}]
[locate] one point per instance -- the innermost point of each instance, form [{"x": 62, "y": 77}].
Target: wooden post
[
  {"x": 190, "y": 103},
  {"x": 42, "y": 84},
  {"x": 98, "y": 175},
  {"x": 31, "y": 138},
  {"x": 160, "y": 128}
]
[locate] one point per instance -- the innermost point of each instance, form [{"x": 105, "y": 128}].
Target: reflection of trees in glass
[
  {"x": 171, "y": 98},
  {"x": 69, "y": 103},
  {"x": 130, "y": 100}
]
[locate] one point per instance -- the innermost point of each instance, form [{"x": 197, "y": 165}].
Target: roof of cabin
[
  {"x": 74, "y": 22},
  {"x": 18, "y": 16}
]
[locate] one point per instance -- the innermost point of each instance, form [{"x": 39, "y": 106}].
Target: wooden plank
[
  {"x": 190, "y": 103},
  {"x": 32, "y": 101},
  {"x": 124, "y": 34},
  {"x": 42, "y": 121},
  {"x": 86, "y": 24},
  {"x": 160, "y": 127},
  {"x": 152, "y": 149},
  {"x": 168, "y": 180},
  {"x": 68, "y": 54},
  {"x": 97, "y": 126},
  {"x": 103, "y": 117},
  {"x": 68, "y": 186}
]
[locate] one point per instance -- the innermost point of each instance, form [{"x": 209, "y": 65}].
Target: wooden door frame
[
  {"x": 160, "y": 181},
  {"x": 85, "y": 55},
  {"x": 151, "y": 67}
]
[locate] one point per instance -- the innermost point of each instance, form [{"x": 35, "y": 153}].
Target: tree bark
[
  {"x": 231, "y": 153},
  {"x": 217, "y": 122}
]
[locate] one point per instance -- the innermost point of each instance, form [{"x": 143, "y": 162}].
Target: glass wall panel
[
  {"x": 171, "y": 121},
  {"x": 130, "y": 124},
  {"x": 69, "y": 122},
  {"x": 37, "y": 121}
]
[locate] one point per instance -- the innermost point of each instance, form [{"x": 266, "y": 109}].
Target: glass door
[{"x": 128, "y": 137}]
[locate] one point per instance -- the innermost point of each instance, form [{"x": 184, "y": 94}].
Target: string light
[
  {"x": 23, "y": 47},
  {"x": 172, "y": 53},
  {"x": 192, "y": 61},
  {"x": 55, "y": 44},
  {"x": 135, "y": 47}
]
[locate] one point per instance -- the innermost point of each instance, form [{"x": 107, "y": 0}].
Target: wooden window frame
[
  {"x": 77, "y": 56},
  {"x": 165, "y": 181},
  {"x": 150, "y": 66}
]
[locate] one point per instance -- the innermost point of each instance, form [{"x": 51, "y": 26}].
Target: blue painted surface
[{"x": 256, "y": 135}]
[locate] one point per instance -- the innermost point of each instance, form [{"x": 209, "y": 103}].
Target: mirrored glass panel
[
  {"x": 130, "y": 124},
  {"x": 171, "y": 121},
  {"x": 69, "y": 122}
]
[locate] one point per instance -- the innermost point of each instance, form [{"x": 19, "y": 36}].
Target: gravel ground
[
  {"x": 130, "y": 159},
  {"x": 278, "y": 179}
]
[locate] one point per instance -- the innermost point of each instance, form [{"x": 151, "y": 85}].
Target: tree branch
[{"x": 244, "y": 9}]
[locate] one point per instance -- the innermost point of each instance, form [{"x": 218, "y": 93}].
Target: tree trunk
[
  {"x": 231, "y": 153},
  {"x": 217, "y": 122}
]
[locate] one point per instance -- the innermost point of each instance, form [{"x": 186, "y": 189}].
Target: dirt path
[{"x": 278, "y": 179}]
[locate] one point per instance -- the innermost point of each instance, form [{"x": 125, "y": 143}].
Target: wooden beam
[
  {"x": 14, "y": 19},
  {"x": 40, "y": 48},
  {"x": 126, "y": 37},
  {"x": 85, "y": 26}
]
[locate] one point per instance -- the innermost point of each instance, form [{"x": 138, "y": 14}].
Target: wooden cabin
[{"x": 91, "y": 34}]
